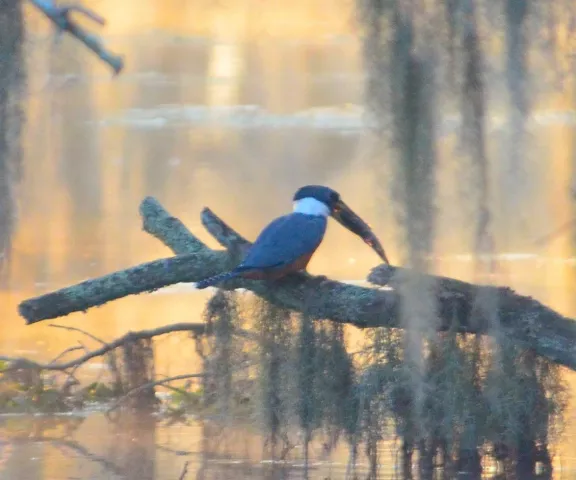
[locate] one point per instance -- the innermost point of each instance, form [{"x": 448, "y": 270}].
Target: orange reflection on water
[{"x": 96, "y": 146}]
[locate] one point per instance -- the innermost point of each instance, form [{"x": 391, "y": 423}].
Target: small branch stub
[{"x": 60, "y": 15}]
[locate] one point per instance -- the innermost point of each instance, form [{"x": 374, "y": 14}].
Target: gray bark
[{"x": 523, "y": 319}]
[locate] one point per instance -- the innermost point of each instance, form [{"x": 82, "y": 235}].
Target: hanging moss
[
  {"x": 137, "y": 369},
  {"x": 275, "y": 376},
  {"x": 516, "y": 180},
  {"x": 222, "y": 319},
  {"x": 11, "y": 93},
  {"x": 336, "y": 383},
  {"x": 309, "y": 406},
  {"x": 525, "y": 398},
  {"x": 412, "y": 90}
]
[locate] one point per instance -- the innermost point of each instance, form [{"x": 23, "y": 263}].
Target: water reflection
[
  {"x": 129, "y": 447},
  {"x": 85, "y": 177},
  {"x": 146, "y": 448}
]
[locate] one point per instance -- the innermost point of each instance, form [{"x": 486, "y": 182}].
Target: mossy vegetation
[
  {"x": 467, "y": 402},
  {"x": 453, "y": 402},
  {"x": 12, "y": 83},
  {"x": 481, "y": 401}
]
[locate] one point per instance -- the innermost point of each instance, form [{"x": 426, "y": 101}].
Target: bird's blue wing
[{"x": 285, "y": 240}]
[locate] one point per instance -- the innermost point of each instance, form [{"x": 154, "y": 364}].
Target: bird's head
[{"x": 320, "y": 200}]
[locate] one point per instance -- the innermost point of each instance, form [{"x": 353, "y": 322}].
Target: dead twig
[
  {"x": 168, "y": 229},
  {"x": 566, "y": 226},
  {"x": 79, "y": 330},
  {"x": 221, "y": 231},
  {"x": 60, "y": 16},
  {"x": 129, "y": 337},
  {"x": 76, "y": 7},
  {"x": 184, "y": 471},
  {"x": 145, "y": 386},
  {"x": 110, "y": 356},
  {"x": 65, "y": 352}
]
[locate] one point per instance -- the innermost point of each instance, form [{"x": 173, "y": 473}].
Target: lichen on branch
[{"x": 523, "y": 319}]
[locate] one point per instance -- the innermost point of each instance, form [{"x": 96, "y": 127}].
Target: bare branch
[
  {"x": 226, "y": 236},
  {"x": 522, "y": 318},
  {"x": 110, "y": 356},
  {"x": 59, "y": 15},
  {"x": 152, "y": 384},
  {"x": 184, "y": 471},
  {"x": 17, "y": 363},
  {"x": 146, "y": 277},
  {"x": 540, "y": 242},
  {"x": 129, "y": 337},
  {"x": 65, "y": 352},
  {"x": 221, "y": 231},
  {"x": 79, "y": 330},
  {"x": 76, "y": 7},
  {"x": 168, "y": 229}
]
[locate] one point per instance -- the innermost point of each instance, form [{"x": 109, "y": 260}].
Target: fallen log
[{"x": 522, "y": 319}]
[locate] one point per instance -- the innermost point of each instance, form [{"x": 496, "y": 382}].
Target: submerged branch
[
  {"x": 522, "y": 318},
  {"x": 77, "y": 448},
  {"x": 60, "y": 16}
]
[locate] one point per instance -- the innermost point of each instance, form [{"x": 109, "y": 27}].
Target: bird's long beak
[{"x": 346, "y": 217}]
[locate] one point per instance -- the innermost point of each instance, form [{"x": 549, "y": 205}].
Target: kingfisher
[{"x": 287, "y": 244}]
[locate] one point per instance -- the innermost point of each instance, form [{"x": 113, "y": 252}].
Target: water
[
  {"x": 231, "y": 105},
  {"x": 138, "y": 449}
]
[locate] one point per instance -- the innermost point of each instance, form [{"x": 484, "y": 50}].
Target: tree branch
[
  {"x": 110, "y": 356},
  {"x": 152, "y": 384},
  {"x": 522, "y": 319},
  {"x": 66, "y": 352},
  {"x": 222, "y": 232},
  {"x": 60, "y": 16},
  {"x": 198, "y": 328},
  {"x": 79, "y": 330},
  {"x": 146, "y": 277},
  {"x": 168, "y": 229},
  {"x": 184, "y": 471}
]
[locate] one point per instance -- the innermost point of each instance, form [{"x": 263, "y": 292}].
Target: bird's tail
[{"x": 208, "y": 282}]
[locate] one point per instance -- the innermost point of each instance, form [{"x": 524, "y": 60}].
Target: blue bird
[{"x": 287, "y": 244}]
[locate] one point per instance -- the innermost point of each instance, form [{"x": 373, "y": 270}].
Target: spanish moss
[
  {"x": 11, "y": 94},
  {"x": 308, "y": 404},
  {"x": 517, "y": 82},
  {"x": 274, "y": 327},
  {"x": 222, "y": 317}
]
